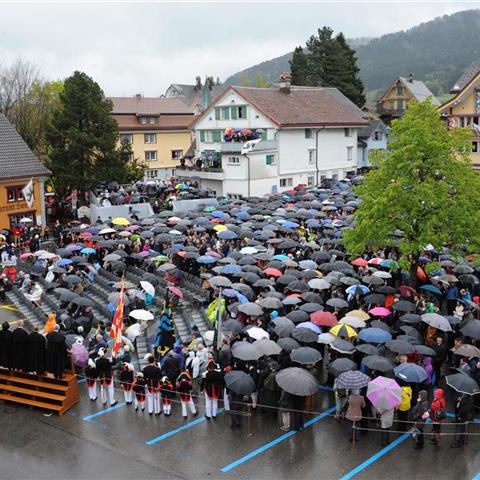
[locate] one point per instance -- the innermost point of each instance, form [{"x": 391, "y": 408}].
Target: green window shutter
[
  {"x": 226, "y": 113},
  {"x": 269, "y": 159},
  {"x": 264, "y": 135},
  {"x": 217, "y": 156},
  {"x": 217, "y": 113},
  {"x": 202, "y": 136},
  {"x": 233, "y": 113},
  {"x": 400, "y": 104},
  {"x": 217, "y": 135}
]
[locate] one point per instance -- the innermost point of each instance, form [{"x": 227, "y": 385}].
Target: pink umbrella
[
  {"x": 380, "y": 312},
  {"x": 84, "y": 235},
  {"x": 144, "y": 254},
  {"x": 80, "y": 355},
  {"x": 132, "y": 228},
  {"x": 211, "y": 253},
  {"x": 176, "y": 291},
  {"x": 26, "y": 255},
  {"x": 384, "y": 393}
]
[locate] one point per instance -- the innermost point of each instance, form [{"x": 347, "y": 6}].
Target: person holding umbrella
[
  {"x": 354, "y": 414},
  {"x": 437, "y": 414}
]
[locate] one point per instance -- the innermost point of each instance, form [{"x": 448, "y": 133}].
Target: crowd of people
[{"x": 289, "y": 310}]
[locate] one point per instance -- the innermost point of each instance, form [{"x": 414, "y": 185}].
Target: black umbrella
[
  {"x": 233, "y": 326},
  {"x": 472, "y": 329},
  {"x": 403, "y": 306},
  {"x": 68, "y": 296},
  {"x": 337, "y": 303},
  {"x": 378, "y": 363},
  {"x": 240, "y": 382},
  {"x": 297, "y": 381},
  {"x": 462, "y": 383},
  {"x": 341, "y": 365},
  {"x": 305, "y": 355},
  {"x": 424, "y": 350},
  {"x": 411, "y": 318},
  {"x": 283, "y": 326},
  {"x": 400, "y": 346},
  {"x": 298, "y": 316},
  {"x": 342, "y": 346},
  {"x": 311, "y": 307},
  {"x": 288, "y": 344},
  {"x": 82, "y": 301},
  {"x": 376, "y": 298},
  {"x": 305, "y": 335},
  {"x": 368, "y": 349},
  {"x": 73, "y": 279}
]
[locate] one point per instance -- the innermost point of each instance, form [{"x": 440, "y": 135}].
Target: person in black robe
[
  {"x": 20, "y": 348},
  {"x": 5, "y": 346},
  {"x": 56, "y": 359},
  {"x": 37, "y": 352}
]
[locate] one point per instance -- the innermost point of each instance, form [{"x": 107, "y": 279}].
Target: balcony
[
  {"x": 236, "y": 147},
  {"x": 203, "y": 173}
]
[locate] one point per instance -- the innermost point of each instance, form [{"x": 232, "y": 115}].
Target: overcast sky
[{"x": 142, "y": 47}]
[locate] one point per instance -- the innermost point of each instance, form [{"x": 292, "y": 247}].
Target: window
[
  {"x": 308, "y": 133},
  {"x": 475, "y": 148},
  {"x": 399, "y": 90},
  {"x": 14, "y": 194},
  {"x": 151, "y": 155},
  {"x": 349, "y": 154},
  {"x": 377, "y": 136},
  {"x": 233, "y": 160},
  {"x": 242, "y": 112},
  {"x": 150, "y": 137},
  {"x": 126, "y": 137},
  {"x": 311, "y": 157},
  {"x": 152, "y": 173},
  {"x": 347, "y": 132},
  {"x": 206, "y": 136},
  {"x": 222, "y": 113},
  {"x": 16, "y": 217},
  {"x": 335, "y": 177},
  {"x": 270, "y": 159},
  {"x": 400, "y": 105},
  {"x": 177, "y": 154},
  {"x": 286, "y": 182},
  {"x": 217, "y": 136},
  {"x": 311, "y": 181},
  {"x": 147, "y": 120}
]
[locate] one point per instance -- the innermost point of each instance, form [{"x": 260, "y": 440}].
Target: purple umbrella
[
  {"x": 384, "y": 393},
  {"x": 80, "y": 355}
]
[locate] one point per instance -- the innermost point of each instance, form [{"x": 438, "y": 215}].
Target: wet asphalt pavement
[{"x": 113, "y": 445}]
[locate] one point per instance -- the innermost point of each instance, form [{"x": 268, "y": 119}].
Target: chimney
[
  {"x": 138, "y": 95},
  {"x": 198, "y": 83},
  {"x": 410, "y": 78},
  {"x": 284, "y": 82}
]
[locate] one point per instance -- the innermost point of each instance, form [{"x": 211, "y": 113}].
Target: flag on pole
[
  {"x": 27, "y": 192},
  {"x": 117, "y": 324},
  {"x": 248, "y": 146},
  {"x": 219, "y": 321}
]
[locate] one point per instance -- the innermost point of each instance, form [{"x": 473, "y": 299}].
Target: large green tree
[
  {"x": 84, "y": 139},
  {"x": 424, "y": 185},
  {"x": 328, "y": 62}
]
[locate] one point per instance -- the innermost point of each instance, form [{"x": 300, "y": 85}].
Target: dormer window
[{"x": 144, "y": 120}]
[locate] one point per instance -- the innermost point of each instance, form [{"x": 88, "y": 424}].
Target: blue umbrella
[
  {"x": 178, "y": 246},
  {"x": 218, "y": 214},
  {"x": 206, "y": 259},
  {"x": 242, "y": 298},
  {"x": 87, "y": 250},
  {"x": 311, "y": 326},
  {"x": 432, "y": 289},
  {"x": 312, "y": 223},
  {"x": 92, "y": 230},
  {"x": 229, "y": 292},
  {"x": 281, "y": 257},
  {"x": 374, "y": 335},
  {"x": 288, "y": 224},
  {"x": 64, "y": 261},
  {"x": 227, "y": 235},
  {"x": 354, "y": 289},
  {"x": 231, "y": 269},
  {"x": 410, "y": 373}
]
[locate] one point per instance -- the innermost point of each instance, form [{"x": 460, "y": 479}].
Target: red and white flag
[{"x": 117, "y": 324}]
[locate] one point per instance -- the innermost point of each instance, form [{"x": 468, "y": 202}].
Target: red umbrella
[
  {"x": 85, "y": 235},
  {"x": 323, "y": 319},
  {"x": 176, "y": 291},
  {"x": 181, "y": 254},
  {"x": 407, "y": 291},
  {"x": 359, "y": 262},
  {"x": 272, "y": 272},
  {"x": 421, "y": 274}
]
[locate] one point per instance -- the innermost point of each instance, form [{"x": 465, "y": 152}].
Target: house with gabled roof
[
  {"x": 392, "y": 103},
  {"x": 463, "y": 109},
  {"x": 255, "y": 141},
  {"x": 19, "y": 166}
]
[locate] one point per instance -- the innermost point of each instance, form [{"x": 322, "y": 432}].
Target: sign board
[
  {"x": 83, "y": 212},
  {"x": 274, "y": 189}
]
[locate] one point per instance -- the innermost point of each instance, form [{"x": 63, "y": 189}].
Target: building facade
[
  {"x": 370, "y": 139},
  {"x": 158, "y": 130},
  {"x": 300, "y": 135},
  {"x": 19, "y": 166}
]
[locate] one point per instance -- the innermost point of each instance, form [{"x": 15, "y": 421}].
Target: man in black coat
[
  {"x": 5, "y": 346},
  {"x": 463, "y": 414},
  {"x": 213, "y": 383},
  {"x": 19, "y": 348},
  {"x": 56, "y": 353},
  {"x": 36, "y": 352}
]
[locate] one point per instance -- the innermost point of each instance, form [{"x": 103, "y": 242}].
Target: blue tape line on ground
[
  {"x": 278, "y": 440},
  {"x": 179, "y": 429},
  {"x": 477, "y": 476},
  {"x": 102, "y": 412},
  {"x": 375, "y": 457}
]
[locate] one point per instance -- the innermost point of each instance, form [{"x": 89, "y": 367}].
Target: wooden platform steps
[{"x": 55, "y": 395}]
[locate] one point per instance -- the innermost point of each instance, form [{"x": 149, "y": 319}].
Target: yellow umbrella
[
  {"x": 359, "y": 314},
  {"x": 120, "y": 221},
  {"x": 220, "y": 228},
  {"x": 343, "y": 330}
]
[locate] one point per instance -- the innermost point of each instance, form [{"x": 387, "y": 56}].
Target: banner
[
  {"x": 27, "y": 192},
  {"x": 248, "y": 146}
]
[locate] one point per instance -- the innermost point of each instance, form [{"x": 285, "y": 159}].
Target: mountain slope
[{"x": 436, "y": 52}]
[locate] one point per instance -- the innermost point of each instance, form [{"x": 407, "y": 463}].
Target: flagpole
[{"x": 219, "y": 321}]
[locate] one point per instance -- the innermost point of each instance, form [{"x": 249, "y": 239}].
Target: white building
[
  {"x": 308, "y": 134},
  {"x": 373, "y": 137}
]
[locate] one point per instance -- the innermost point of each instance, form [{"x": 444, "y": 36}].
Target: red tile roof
[
  {"x": 149, "y": 106},
  {"x": 164, "y": 122}
]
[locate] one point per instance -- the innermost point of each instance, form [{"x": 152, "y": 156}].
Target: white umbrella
[
  {"x": 133, "y": 331},
  {"x": 354, "y": 322},
  {"x": 257, "y": 333},
  {"x": 381, "y": 274},
  {"x": 141, "y": 315},
  {"x": 148, "y": 287},
  {"x": 248, "y": 250},
  {"x": 319, "y": 284},
  {"x": 437, "y": 321},
  {"x": 326, "y": 338},
  {"x": 106, "y": 230}
]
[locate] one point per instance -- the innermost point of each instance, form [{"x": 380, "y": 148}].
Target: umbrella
[
  {"x": 380, "y": 312},
  {"x": 133, "y": 331},
  {"x": 305, "y": 356},
  {"x": 384, "y": 393},
  {"x": 273, "y": 272},
  {"x": 304, "y": 335},
  {"x": 437, "y": 321},
  {"x": 400, "y": 346},
  {"x": 354, "y": 289},
  {"x": 310, "y": 326},
  {"x": 472, "y": 329},
  {"x": 323, "y": 319},
  {"x": 431, "y": 289},
  {"x": 233, "y": 326},
  {"x": 251, "y": 309},
  {"x": 298, "y": 316},
  {"x": 411, "y": 318},
  {"x": 240, "y": 382},
  {"x": 378, "y": 363},
  {"x": 359, "y": 314},
  {"x": 246, "y": 351},
  {"x": 283, "y": 326},
  {"x": 467, "y": 350},
  {"x": 119, "y": 221},
  {"x": 220, "y": 281},
  {"x": 342, "y": 346},
  {"x": 337, "y": 303},
  {"x": 141, "y": 315},
  {"x": 354, "y": 322},
  {"x": 424, "y": 350},
  {"x": 82, "y": 301},
  {"x": 73, "y": 279},
  {"x": 319, "y": 284},
  {"x": 257, "y": 333},
  {"x": 374, "y": 335},
  {"x": 297, "y": 381},
  {"x": 343, "y": 330},
  {"x": 403, "y": 306},
  {"x": 410, "y": 373},
  {"x": 352, "y": 380},
  {"x": 176, "y": 291},
  {"x": 148, "y": 287},
  {"x": 270, "y": 303},
  {"x": 311, "y": 307},
  {"x": 462, "y": 383},
  {"x": 68, "y": 296},
  {"x": 268, "y": 347},
  {"x": 288, "y": 344},
  {"x": 341, "y": 365},
  {"x": 368, "y": 349},
  {"x": 326, "y": 338}
]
